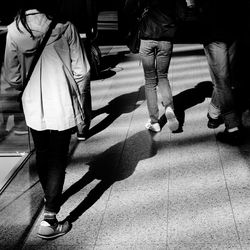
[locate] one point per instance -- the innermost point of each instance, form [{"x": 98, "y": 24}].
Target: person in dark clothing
[
  {"x": 221, "y": 23},
  {"x": 157, "y": 32}
]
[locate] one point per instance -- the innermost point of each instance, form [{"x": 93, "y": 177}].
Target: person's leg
[
  {"x": 163, "y": 57},
  {"x": 222, "y": 99},
  {"x": 147, "y": 54},
  {"x": 214, "y": 116},
  {"x": 20, "y": 127},
  {"x": 214, "y": 110},
  {"x": 83, "y": 128},
  {"x": 219, "y": 59},
  {"x": 58, "y": 155},
  {"x": 51, "y": 159},
  {"x": 41, "y": 144},
  {"x": 51, "y": 155},
  {"x": 87, "y": 103}
]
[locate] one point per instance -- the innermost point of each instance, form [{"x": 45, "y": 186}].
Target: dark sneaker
[
  {"x": 47, "y": 231},
  {"x": 232, "y": 138},
  {"x": 214, "y": 123}
]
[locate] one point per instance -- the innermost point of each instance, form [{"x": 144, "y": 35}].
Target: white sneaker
[
  {"x": 155, "y": 127},
  {"x": 172, "y": 122},
  {"x": 47, "y": 231}
]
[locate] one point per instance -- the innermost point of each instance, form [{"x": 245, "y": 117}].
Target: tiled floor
[
  {"x": 9, "y": 165},
  {"x": 126, "y": 188}
]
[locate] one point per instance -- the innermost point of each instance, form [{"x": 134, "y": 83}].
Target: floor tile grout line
[
  {"x": 168, "y": 207},
  {"x": 102, "y": 218},
  {"x": 228, "y": 193}
]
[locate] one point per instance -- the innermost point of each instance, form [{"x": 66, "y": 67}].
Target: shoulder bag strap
[{"x": 38, "y": 53}]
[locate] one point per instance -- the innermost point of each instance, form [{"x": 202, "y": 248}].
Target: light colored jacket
[{"x": 51, "y": 97}]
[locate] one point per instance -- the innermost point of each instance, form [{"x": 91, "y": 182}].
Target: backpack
[{"x": 157, "y": 25}]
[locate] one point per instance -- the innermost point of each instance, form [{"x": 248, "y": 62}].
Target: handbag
[
  {"x": 34, "y": 61},
  {"x": 133, "y": 40}
]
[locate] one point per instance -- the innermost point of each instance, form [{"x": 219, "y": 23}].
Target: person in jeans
[
  {"x": 157, "y": 30},
  {"x": 222, "y": 24},
  {"x": 52, "y": 97},
  {"x": 222, "y": 100}
]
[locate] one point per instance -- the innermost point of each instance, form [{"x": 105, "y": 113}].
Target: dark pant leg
[
  {"x": 220, "y": 56},
  {"x": 87, "y": 106},
  {"x": 51, "y": 154}
]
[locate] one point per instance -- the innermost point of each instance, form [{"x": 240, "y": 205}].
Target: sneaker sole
[
  {"x": 20, "y": 132},
  {"x": 172, "y": 122},
  {"x": 52, "y": 236},
  {"x": 212, "y": 126}
]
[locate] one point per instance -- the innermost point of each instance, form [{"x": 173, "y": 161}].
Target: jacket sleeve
[
  {"x": 79, "y": 62},
  {"x": 12, "y": 66}
]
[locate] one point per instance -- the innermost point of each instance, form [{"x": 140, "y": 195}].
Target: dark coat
[
  {"x": 221, "y": 20},
  {"x": 159, "y": 21}
]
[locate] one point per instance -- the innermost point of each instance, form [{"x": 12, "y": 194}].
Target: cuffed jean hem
[
  {"x": 231, "y": 119},
  {"x": 213, "y": 111}
]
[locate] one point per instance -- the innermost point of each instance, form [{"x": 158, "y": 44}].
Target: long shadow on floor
[
  {"x": 120, "y": 105},
  {"x": 187, "y": 99},
  {"x": 110, "y": 61},
  {"x": 115, "y": 164},
  {"x": 107, "y": 64}
]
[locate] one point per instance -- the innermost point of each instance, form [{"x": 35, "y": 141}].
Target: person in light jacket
[{"x": 52, "y": 98}]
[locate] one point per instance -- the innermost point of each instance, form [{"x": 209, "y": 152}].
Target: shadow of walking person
[
  {"x": 110, "y": 61},
  {"x": 115, "y": 164},
  {"x": 187, "y": 99},
  {"x": 120, "y": 105},
  {"x": 107, "y": 66}
]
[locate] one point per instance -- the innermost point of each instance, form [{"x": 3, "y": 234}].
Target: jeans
[
  {"x": 221, "y": 59},
  {"x": 87, "y": 106},
  {"x": 51, "y": 159},
  {"x": 155, "y": 56}
]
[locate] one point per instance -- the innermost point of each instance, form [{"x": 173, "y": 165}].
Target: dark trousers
[
  {"x": 51, "y": 159},
  {"x": 221, "y": 61}
]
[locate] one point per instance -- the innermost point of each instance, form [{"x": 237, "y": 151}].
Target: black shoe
[
  {"x": 232, "y": 138},
  {"x": 214, "y": 123}
]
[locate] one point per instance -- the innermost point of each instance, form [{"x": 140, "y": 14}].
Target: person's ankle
[{"x": 50, "y": 217}]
